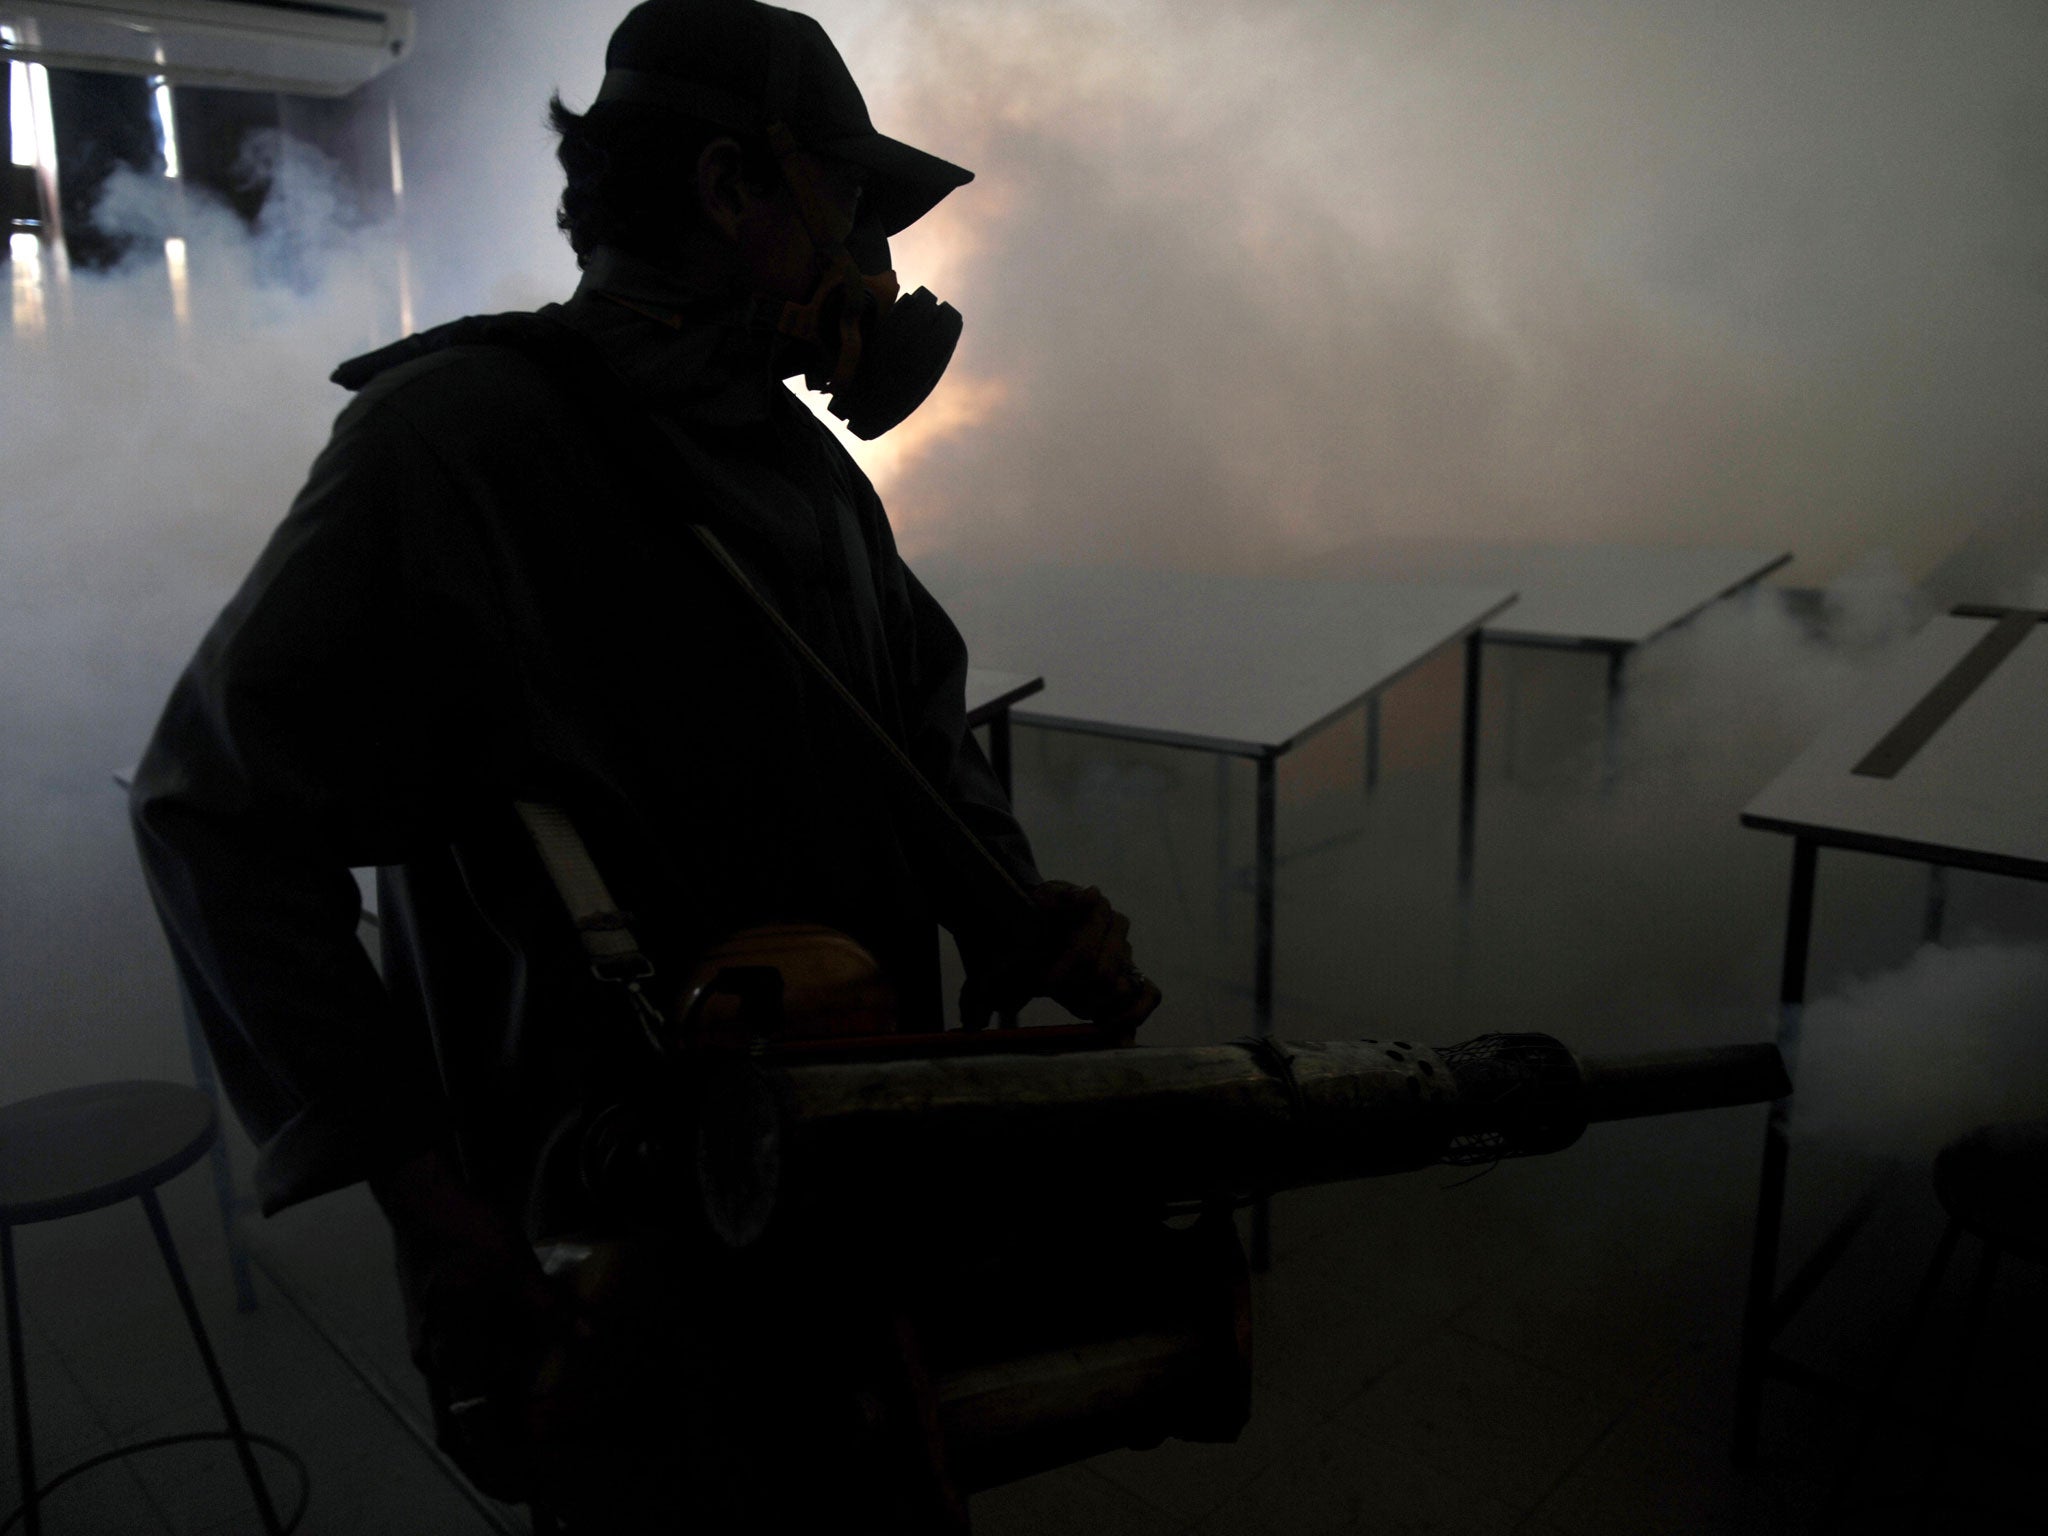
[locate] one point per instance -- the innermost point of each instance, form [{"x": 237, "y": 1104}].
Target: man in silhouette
[{"x": 489, "y": 595}]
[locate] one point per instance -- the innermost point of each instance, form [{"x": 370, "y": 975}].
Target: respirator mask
[{"x": 875, "y": 352}]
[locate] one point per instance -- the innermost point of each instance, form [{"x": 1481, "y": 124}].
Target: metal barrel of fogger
[{"x": 918, "y": 1138}]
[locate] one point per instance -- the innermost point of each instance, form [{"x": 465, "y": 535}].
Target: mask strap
[
  {"x": 784, "y": 63},
  {"x": 780, "y": 92},
  {"x": 844, "y": 272}
]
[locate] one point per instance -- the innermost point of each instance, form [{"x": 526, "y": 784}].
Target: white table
[
  {"x": 1238, "y": 666},
  {"x": 1941, "y": 757},
  {"x": 1604, "y": 598},
  {"x": 1234, "y": 665}
]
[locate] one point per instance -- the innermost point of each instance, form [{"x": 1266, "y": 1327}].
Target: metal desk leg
[
  {"x": 17, "y": 1364},
  {"x": 999, "y": 751},
  {"x": 1262, "y": 974},
  {"x": 1951, "y": 1412},
  {"x": 1372, "y": 743},
  {"x": 1225, "y": 875},
  {"x": 1468, "y": 766},
  {"x": 1262, "y": 920},
  {"x": 223, "y": 1171},
  {"x": 1510, "y": 719},
  {"x": 1758, "y": 1313},
  {"x": 1888, "y": 1378},
  {"x": 1937, "y": 904},
  {"x": 1610, "y": 735},
  {"x": 999, "y": 760}
]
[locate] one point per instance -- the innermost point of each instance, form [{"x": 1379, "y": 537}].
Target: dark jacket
[{"x": 479, "y": 598}]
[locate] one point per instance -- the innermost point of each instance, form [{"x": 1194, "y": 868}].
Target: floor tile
[
  {"x": 1505, "y": 1426},
  {"x": 102, "y": 1502},
  {"x": 1652, "y": 1477},
  {"x": 1071, "y": 1502},
  {"x": 1338, "y": 1481},
  {"x": 1318, "y": 1343},
  {"x": 1189, "y": 1481},
  {"x": 61, "y": 1417}
]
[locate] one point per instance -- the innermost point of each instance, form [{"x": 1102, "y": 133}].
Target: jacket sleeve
[
  {"x": 301, "y": 740},
  {"x": 944, "y": 746},
  {"x": 929, "y": 659}
]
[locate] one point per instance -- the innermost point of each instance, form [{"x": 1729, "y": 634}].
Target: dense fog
[{"x": 1241, "y": 282}]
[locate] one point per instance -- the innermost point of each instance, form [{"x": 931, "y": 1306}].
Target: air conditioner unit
[{"x": 305, "y": 49}]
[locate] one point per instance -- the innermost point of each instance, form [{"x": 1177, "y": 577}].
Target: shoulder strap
[
  {"x": 606, "y": 934},
  {"x": 929, "y": 805}
]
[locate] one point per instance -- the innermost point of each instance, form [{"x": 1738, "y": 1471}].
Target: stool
[
  {"x": 66, "y": 1153},
  {"x": 1993, "y": 1183}
]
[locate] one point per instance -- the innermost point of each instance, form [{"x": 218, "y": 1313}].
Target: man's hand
[{"x": 1080, "y": 958}]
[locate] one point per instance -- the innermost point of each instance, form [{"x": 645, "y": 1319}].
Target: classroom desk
[
  {"x": 1603, "y": 598},
  {"x": 1941, "y": 757},
  {"x": 1233, "y": 665}
]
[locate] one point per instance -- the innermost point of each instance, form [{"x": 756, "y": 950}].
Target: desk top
[
  {"x": 989, "y": 693},
  {"x": 1975, "y": 794},
  {"x": 1235, "y": 664},
  {"x": 1607, "y": 595}
]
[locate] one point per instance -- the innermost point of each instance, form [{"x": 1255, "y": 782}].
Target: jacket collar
[{"x": 688, "y": 348}]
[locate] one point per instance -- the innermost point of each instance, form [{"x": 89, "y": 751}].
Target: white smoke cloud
[
  {"x": 148, "y": 458},
  {"x": 1254, "y": 279},
  {"x": 1285, "y": 276},
  {"x": 1904, "y": 1059},
  {"x": 1240, "y": 281},
  {"x": 1710, "y": 712}
]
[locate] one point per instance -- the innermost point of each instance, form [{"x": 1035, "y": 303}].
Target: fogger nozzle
[{"x": 917, "y": 1138}]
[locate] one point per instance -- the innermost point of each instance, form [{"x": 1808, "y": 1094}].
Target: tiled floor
[{"x": 1545, "y": 1349}]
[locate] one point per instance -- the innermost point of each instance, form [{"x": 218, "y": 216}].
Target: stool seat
[{"x": 81, "y": 1148}]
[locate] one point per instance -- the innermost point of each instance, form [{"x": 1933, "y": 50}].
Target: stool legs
[
  {"x": 17, "y": 1370},
  {"x": 1973, "y": 1331},
  {"x": 1888, "y": 1377},
  {"x": 220, "y": 1386}
]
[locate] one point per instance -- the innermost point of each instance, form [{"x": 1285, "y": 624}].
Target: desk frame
[
  {"x": 1266, "y": 760},
  {"x": 1766, "y": 1308},
  {"x": 995, "y": 714},
  {"x": 1617, "y": 650}
]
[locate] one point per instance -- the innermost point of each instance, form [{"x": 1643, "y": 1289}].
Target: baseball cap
[{"x": 741, "y": 66}]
